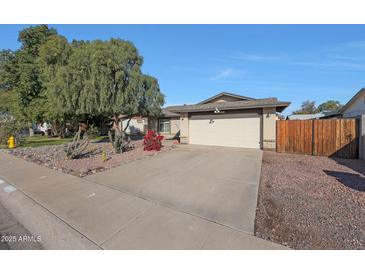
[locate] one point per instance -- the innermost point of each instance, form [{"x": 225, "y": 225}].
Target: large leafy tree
[
  {"x": 7, "y": 80},
  {"x": 307, "y": 107},
  {"x": 101, "y": 78},
  {"x": 330, "y": 105},
  {"x": 53, "y": 59},
  {"x": 30, "y": 87},
  {"x": 9, "y": 75},
  {"x": 20, "y": 73},
  {"x": 51, "y": 79}
]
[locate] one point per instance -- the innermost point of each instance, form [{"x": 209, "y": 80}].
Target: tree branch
[{"x": 127, "y": 124}]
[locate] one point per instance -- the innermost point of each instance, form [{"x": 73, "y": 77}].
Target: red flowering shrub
[{"x": 152, "y": 141}]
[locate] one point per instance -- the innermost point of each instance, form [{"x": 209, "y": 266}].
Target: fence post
[
  {"x": 362, "y": 137},
  {"x": 313, "y": 127}
]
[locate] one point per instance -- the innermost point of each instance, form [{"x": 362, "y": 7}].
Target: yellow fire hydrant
[{"x": 11, "y": 142}]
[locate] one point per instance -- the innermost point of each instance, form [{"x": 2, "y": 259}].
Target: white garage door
[{"x": 231, "y": 132}]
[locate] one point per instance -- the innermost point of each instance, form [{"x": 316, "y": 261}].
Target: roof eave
[
  {"x": 279, "y": 107},
  {"x": 348, "y": 104},
  {"x": 170, "y": 115}
]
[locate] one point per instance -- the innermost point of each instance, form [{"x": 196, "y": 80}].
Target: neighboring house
[
  {"x": 137, "y": 125},
  {"x": 225, "y": 119},
  {"x": 305, "y": 116},
  {"x": 320, "y": 115},
  {"x": 355, "y": 107},
  {"x": 167, "y": 125}
]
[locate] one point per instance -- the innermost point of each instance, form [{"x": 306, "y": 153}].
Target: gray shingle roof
[
  {"x": 305, "y": 116},
  {"x": 247, "y": 104},
  {"x": 169, "y": 114},
  {"x": 225, "y": 93}
]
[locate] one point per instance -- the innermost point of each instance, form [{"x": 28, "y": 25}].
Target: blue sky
[{"x": 192, "y": 62}]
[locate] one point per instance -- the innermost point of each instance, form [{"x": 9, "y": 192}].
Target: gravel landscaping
[
  {"x": 308, "y": 202},
  {"x": 91, "y": 160}
]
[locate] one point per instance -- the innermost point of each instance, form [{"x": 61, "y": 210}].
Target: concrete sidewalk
[
  {"x": 10, "y": 228},
  {"x": 95, "y": 216}
]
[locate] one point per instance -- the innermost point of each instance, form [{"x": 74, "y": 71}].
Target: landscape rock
[
  {"x": 90, "y": 162},
  {"x": 311, "y": 202}
]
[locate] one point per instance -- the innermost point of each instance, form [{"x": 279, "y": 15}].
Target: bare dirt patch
[
  {"x": 308, "y": 202},
  {"x": 90, "y": 162}
]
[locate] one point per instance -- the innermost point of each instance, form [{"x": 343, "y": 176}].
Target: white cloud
[
  {"x": 355, "y": 44},
  {"x": 227, "y": 73},
  {"x": 345, "y": 56},
  {"x": 332, "y": 65},
  {"x": 259, "y": 57},
  {"x": 324, "y": 60}
]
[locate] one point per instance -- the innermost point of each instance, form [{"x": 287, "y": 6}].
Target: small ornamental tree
[{"x": 152, "y": 141}]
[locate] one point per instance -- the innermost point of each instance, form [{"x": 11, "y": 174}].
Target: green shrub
[{"x": 9, "y": 126}]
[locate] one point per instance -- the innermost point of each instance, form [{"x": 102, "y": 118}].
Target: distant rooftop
[{"x": 310, "y": 116}]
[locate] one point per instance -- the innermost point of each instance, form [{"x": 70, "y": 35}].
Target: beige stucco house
[
  {"x": 168, "y": 124},
  {"x": 225, "y": 119},
  {"x": 137, "y": 125},
  {"x": 355, "y": 107}
]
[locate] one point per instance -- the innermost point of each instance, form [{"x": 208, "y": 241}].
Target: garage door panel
[{"x": 233, "y": 132}]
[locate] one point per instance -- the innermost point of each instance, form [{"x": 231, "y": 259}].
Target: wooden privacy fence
[{"x": 333, "y": 137}]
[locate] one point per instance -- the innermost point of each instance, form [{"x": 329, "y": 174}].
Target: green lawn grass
[{"x": 36, "y": 141}]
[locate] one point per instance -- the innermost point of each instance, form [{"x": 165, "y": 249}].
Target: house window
[{"x": 165, "y": 126}]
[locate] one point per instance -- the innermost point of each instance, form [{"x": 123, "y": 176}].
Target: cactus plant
[
  {"x": 119, "y": 141},
  {"x": 77, "y": 146},
  {"x": 103, "y": 154}
]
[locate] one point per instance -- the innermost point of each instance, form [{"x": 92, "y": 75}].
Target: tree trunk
[
  {"x": 125, "y": 139},
  {"x": 118, "y": 141},
  {"x": 58, "y": 129}
]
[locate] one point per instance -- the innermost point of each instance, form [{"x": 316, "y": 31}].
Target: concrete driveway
[
  {"x": 187, "y": 198},
  {"x": 215, "y": 183}
]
